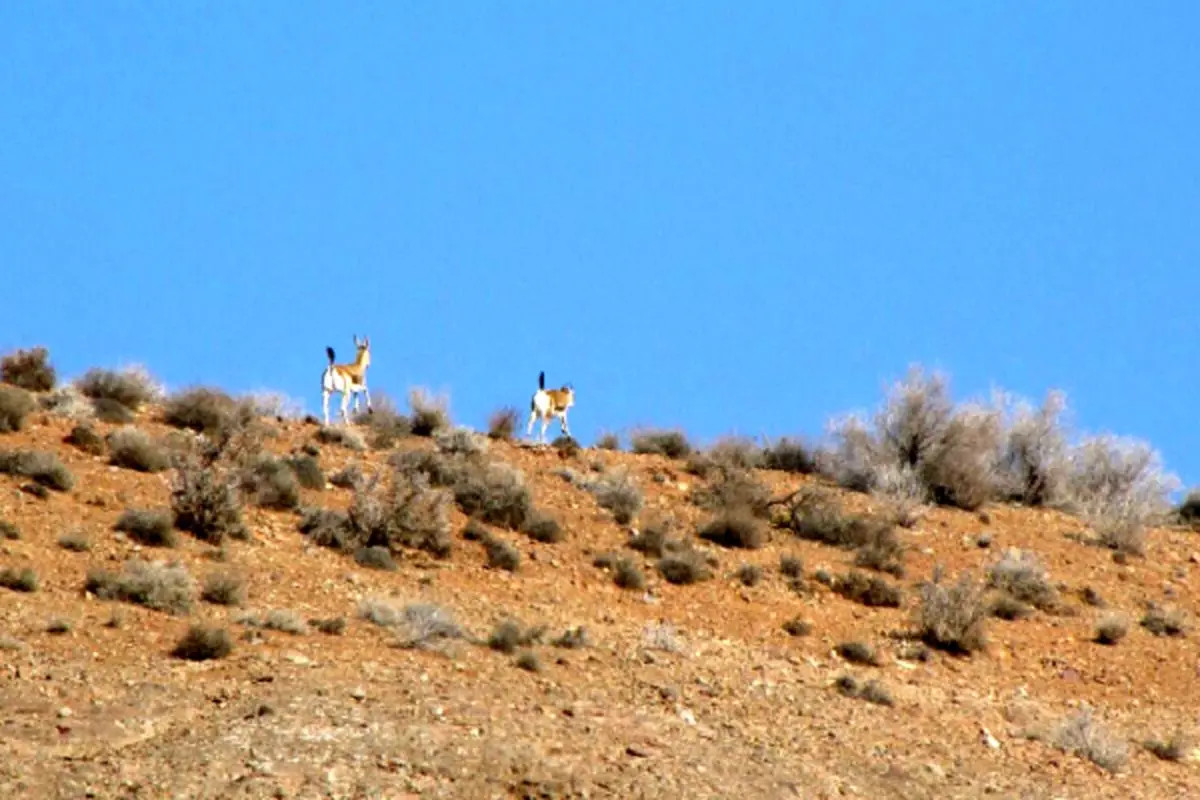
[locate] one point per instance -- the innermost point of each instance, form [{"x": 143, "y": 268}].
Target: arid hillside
[{"x": 205, "y": 597}]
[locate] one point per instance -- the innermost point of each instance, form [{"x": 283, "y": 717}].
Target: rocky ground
[{"x": 688, "y": 691}]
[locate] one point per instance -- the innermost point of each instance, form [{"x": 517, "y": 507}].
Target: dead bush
[
  {"x": 148, "y": 526},
  {"x": 502, "y": 424},
  {"x": 815, "y": 515},
  {"x": 733, "y": 489},
  {"x": 627, "y": 575},
  {"x": 791, "y": 567},
  {"x": 384, "y": 424},
  {"x": 131, "y": 387},
  {"x": 654, "y": 539},
  {"x": 618, "y": 492},
  {"x": 342, "y": 437},
  {"x": 460, "y": 441},
  {"x": 672, "y": 444},
  {"x": 900, "y": 493},
  {"x": 75, "y": 542},
  {"x": 155, "y": 585},
  {"x": 750, "y": 575},
  {"x": 203, "y": 643},
  {"x": 1163, "y": 622},
  {"x": 134, "y": 449},
  {"x": 277, "y": 619},
  {"x": 348, "y": 478},
  {"x": 15, "y": 405},
  {"x": 330, "y": 528},
  {"x": 375, "y": 557},
  {"x": 112, "y": 412},
  {"x": 429, "y": 413},
  {"x": 1035, "y": 465},
  {"x": 737, "y": 528},
  {"x": 40, "y": 466},
  {"x": 529, "y": 662},
  {"x": 1080, "y": 734},
  {"x": 953, "y": 618},
  {"x": 30, "y": 370},
  {"x": 797, "y": 627},
  {"x": 543, "y": 528},
  {"x": 332, "y": 626},
  {"x": 608, "y": 441},
  {"x": 1022, "y": 576},
  {"x": 224, "y": 589},
  {"x": 407, "y": 514},
  {"x": 204, "y": 499},
  {"x": 206, "y": 410},
  {"x": 789, "y": 455},
  {"x": 495, "y": 493},
  {"x": 1006, "y": 607},
  {"x": 859, "y": 653},
  {"x": 19, "y": 580},
  {"x": 84, "y": 438},
  {"x": 271, "y": 483},
  {"x": 684, "y": 567},
  {"x": 736, "y": 453},
  {"x": 1189, "y": 509},
  {"x": 869, "y": 590}
]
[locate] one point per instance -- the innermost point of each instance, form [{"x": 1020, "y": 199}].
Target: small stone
[
  {"x": 64, "y": 712},
  {"x": 358, "y": 693}
]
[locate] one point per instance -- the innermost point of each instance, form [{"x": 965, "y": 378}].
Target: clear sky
[{"x": 734, "y": 217}]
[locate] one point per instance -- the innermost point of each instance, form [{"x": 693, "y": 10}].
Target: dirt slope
[{"x": 685, "y": 690}]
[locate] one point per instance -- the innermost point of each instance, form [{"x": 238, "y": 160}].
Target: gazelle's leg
[
  {"x": 545, "y": 424},
  {"x": 346, "y": 405},
  {"x": 325, "y": 406},
  {"x": 565, "y": 428},
  {"x": 529, "y": 427},
  {"x": 367, "y": 392}
]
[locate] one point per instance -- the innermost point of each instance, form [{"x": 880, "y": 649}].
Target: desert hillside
[{"x": 206, "y": 597}]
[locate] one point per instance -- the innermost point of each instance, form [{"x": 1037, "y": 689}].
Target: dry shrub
[
  {"x": 565, "y": 446},
  {"x": 205, "y": 501},
  {"x": 460, "y": 441},
  {"x": 1035, "y": 463},
  {"x": 375, "y": 557},
  {"x": 735, "y": 452},
  {"x": 495, "y": 493},
  {"x": 68, "y": 402},
  {"x": 420, "y": 625},
  {"x": 859, "y": 653},
  {"x": 277, "y": 619},
  {"x": 1021, "y": 576},
  {"x": 1080, "y": 734},
  {"x": 815, "y": 515},
  {"x": 1111, "y": 629},
  {"x": 348, "y": 478},
  {"x": 1163, "y": 622},
  {"x": 84, "y": 438},
  {"x": 510, "y": 635},
  {"x": 528, "y": 661},
  {"x": 618, "y": 492},
  {"x": 342, "y": 437},
  {"x": 1175, "y": 748},
  {"x": 797, "y": 627},
  {"x": 155, "y": 585},
  {"x": 736, "y": 528},
  {"x": 9, "y": 531},
  {"x": 203, "y": 643},
  {"x": 307, "y": 470},
  {"x": 330, "y": 528},
  {"x": 224, "y": 589},
  {"x": 900, "y": 494},
  {"x": 869, "y": 590},
  {"x": 111, "y": 411},
  {"x": 75, "y": 542},
  {"x": 384, "y": 424},
  {"x": 791, "y": 566},
  {"x": 30, "y": 370},
  {"x": 206, "y": 410},
  {"x": 332, "y": 626},
  {"x": 789, "y": 455},
  {"x": 654, "y": 539},
  {"x": 18, "y": 580},
  {"x": 1189, "y": 510},
  {"x": 15, "y": 405},
  {"x": 672, "y": 444},
  {"x": 406, "y": 514},
  {"x": 750, "y": 575},
  {"x": 272, "y": 483},
  {"x": 543, "y": 528},
  {"x": 609, "y": 441},
  {"x": 40, "y": 466},
  {"x": 1118, "y": 487},
  {"x": 502, "y": 424},
  {"x": 627, "y": 575},
  {"x": 148, "y": 527},
  {"x": 953, "y": 619},
  {"x": 684, "y": 567},
  {"x": 501, "y": 554},
  {"x": 429, "y": 413},
  {"x": 131, "y": 387},
  {"x": 134, "y": 449},
  {"x": 733, "y": 490}
]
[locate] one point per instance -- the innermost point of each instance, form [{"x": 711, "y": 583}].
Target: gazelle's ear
[
  {"x": 367, "y": 341},
  {"x": 355, "y": 339}
]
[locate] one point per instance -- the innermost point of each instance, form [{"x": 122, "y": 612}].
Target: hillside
[{"x": 730, "y": 686}]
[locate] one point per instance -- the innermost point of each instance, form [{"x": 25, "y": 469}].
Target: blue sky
[{"x": 737, "y": 217}]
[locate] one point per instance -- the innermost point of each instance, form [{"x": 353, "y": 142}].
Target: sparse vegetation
[
  {"x": 342, "y": 437},
  {"x": 277, "y": 619},
  {"x": 134, "y": 449},
  {"x": 608, "y": 441},
  {"x": 495, "y": 493},
  {"x": 203, "y": 643},
  {"x": 501, "y": 554},
  {"x": 543, "y": 528},
  {"x": 683, "y": 567},
  {"x": 406, "y": 514},
  {"x": 155, "y": 585},
  {"x": 618, "y": 492},
  {"x": 384, "y": 424},
  {"x": 307, "y": 470},
  {"x": 272, "y": 483},
  {"x": 1080, "y": 734},
  {"x": 797, "y": 626},
  {"x": 1174, "y": 748},
  {"x": 627, "y": 575},
  {"x": 224, "y": 589},
  {"x": 15, "y": 405},
  {"x": 112, "y": 412},
  {"x": 9, "y": 531},
  {"x": 502, "y": 424},
  {"x": 953, "y": 618},
  {"x": 734, "y": 490},
  {"x": 205, "y": 502},
  {"x": 131, "y": 387},
  {"x": 653, "y": 539},
  {"x": 672, "y": 444},
  {"x": 40, "y": 466},
  {"x": 791, "y": 566},
  {"x": 30, "y": 370},
  {"x": 207, "y": 410},
  {"x": 1189, "y": 509},
  {"x": 1163, "y": 622},
  {"x": 375, "y": 557},
  {"x": 84, "y": 438},
  {"x": 75, "y": 542},
  {"x": 869, "y": 590},
  {"x": 1022, "y": 577},
  {"x": 750, "y": 575},
  {"x": 19, "y": 580},
  {"x": 737, "y": 528},
  {"x": 429, "y": 413},
  {"x": 858, "y": 653},
  {"x": 349, "y": 478},
  {"x": 872, "y": 691},
  {"x": 149, "y": 527}
]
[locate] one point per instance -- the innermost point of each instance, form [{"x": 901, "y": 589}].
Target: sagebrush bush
[
  {"x": 155, "y": 585},
  {"x": 15, "y": 405},
  {"x": 728, "y": 452},
  {"x": 1111, "y": 629},
  {"x": 750, "y": 574},
  {"x": 502, "y": 424},
  {"x": 736, "y": 528},
  {"x": 206, "y": 410},
  {"x": 684, "y": 567},
  {"x": 542, "y": 528},
  {"x": 75, "y": 542},
  {"x": 858, "y": 653},
  {"x": 953, "y": 618},
  {"x": 1189, "y": 509},
  {"x": 148, "y": 526},
  {"x": 205, "y": 501},
  {"x": 384, "y": 424},
  {"x": 654, "y": 538},
  {"x": 672, "y": 444},
  {"x": 68, "y": 402},
  {"x": 789, "y": 455},
  {"x": 618, "y": 492},
  {"x": 131, "y": 387},
  {"x": 496, "y": 493},
  {"x": 1022, "y": 576},
  {"x": 134, "y": 449},
  {"x": 501, "y": 554},
  {"x": 1035, "y": 462},
  {"x": 30, "y": 370},
  {"x": 733, "y": 490},
  {"x": 111, "y": 411},
  {"x": 224, "y": 589},
  {"x": 1163, "y": 622},
  {"x": 608, "y": 441},
  {"x": 84, "y": 438},
  {"x": 797, "y": 626},
  {"x": 869, "y": 590},
  {"x": 272, "y": 483},
  {"x": 40, "y": 466},
  {"x": 460, "y": 441},
  {"x": 307, "y": 470},
  {"x": 816, "y": 515},
  {"x": 408, "y": 513},
  {"x": 375, "y": 557},
  {"x": 348, "y": 478},
  {"x": 429, "y": 413},
  {"x": 342, "y": 437},
  {"x": 202, "y": 643},
  {"x": 1080, "y": 734},
  {"x": 18, "y": 580},
  {"x": 627, "y": 575}
]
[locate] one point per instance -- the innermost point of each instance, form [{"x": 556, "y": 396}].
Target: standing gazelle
[
  {"x": 348, "y": 379},
  {"x": 548, "y": 404}
]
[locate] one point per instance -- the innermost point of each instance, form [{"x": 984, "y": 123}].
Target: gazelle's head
[
  {"x": 362, "y": 356},
  {"x": 568, "y": 393}
]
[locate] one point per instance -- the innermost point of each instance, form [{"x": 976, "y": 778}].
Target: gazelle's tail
[
  {"x": 329, "y": 352},
  {"x": 541, "y": 380}
]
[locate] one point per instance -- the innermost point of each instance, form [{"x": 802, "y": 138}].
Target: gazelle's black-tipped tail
[
  {"x": 329, "y": 352},
  {"x": 541, "y": 380}
]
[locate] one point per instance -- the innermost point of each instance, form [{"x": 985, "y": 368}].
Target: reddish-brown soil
[{"x": 684, "y": 691}]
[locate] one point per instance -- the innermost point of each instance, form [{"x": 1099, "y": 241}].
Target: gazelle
[
  {"x": 348, "y": 379},
  {"x": 547, "y": 404}
]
